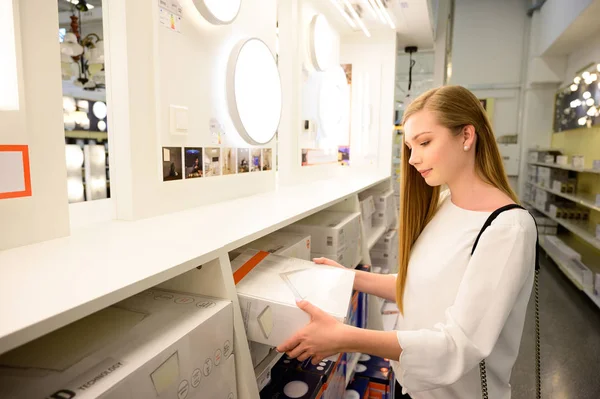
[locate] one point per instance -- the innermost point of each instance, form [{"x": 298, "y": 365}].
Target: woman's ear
[{"x": 469, "y": 137}]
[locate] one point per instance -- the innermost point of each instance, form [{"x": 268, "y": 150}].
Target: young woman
[{"x": 456, "y": 309}]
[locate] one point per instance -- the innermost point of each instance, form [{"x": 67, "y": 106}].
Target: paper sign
[
  {"x": 170, "y": 14},
  {"x": 15, "y": 180}
]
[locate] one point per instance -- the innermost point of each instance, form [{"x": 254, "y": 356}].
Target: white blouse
[{"x": 460, "y": 309}]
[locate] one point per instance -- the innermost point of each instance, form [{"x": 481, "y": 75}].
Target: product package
[
  {"x": 562, "y": 160},
  {"x": 358, "y": 388},
  {"x": 292, "y": 245},
  {"x": 268, "y": 286},
  {"x": 333, "y": 233},
  {"x": 379, "y": 373},
  {"x": 596, "y": 164},
  {"x": 578, "y": 161},
  {"x": 367, "y": 209},
  {"x": 156, "y": 344},
  {"x": 385, "y": 207}
]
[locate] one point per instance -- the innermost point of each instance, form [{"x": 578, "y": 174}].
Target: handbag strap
[{"x": 482, "y": 368}]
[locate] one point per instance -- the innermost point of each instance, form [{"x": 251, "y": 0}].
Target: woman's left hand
[{"x": 320, "y": 338}]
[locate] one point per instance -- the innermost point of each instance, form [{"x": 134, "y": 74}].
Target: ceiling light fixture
[
  {"x": 386, "y": 14},
  {"x": 344, "y": 13},
  {"x": 358, "y": 20},
  {"x": 84, "y": 5},
  {"x": 219, "y": 12},
  {"x": 577, "y": 80},
  {"x": 574, "y": 87},
  {"x": 587, "y": 95},
  {"x": 375, "y": 10}
]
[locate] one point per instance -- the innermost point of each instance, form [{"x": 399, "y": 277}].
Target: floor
[{"x": 570, "y": 336}]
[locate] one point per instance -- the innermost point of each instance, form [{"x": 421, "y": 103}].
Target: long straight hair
[{"x": 454, "y": 107}]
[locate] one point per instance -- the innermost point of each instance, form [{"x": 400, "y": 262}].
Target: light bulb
[
  {"x": 598, "y": 67},
  {"x": 585, "y": 75},
  {"x": 592, "y": 111},
  {"x": 582, "y": 121},
  {"x": 589, "y": 102},
  {"x": 587, "y": 95},
  {"x": 589, "y": 80},
  {"x": 577, "y": 79},
  {"x": 574, "y": 87},
  {"x": 594, "y": 77}
]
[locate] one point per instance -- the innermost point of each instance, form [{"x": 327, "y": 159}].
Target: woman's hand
[
  {"x": 328, "y": 262},
  {"x": 319, "y": 339}
]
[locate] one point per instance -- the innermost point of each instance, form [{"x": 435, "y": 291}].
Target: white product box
[
  {"x": 596, "y": 164},
  {"x": 376, "y": 270},
  {"x": 329, "y": 230},
  {"x": 563, "y": 249},
  {"x": 293, "y": 245},
  {"x": 549, "y": 159},
  {"x": 157, "y": 344},
  {"x": 562, "y": 160},
  {"x": 578, "y": 161},
  {"x": 533, "y": 156},
  {"x": 367, "y": 206},
  {"x": 268, "y": 293},
  {"x": 387, "y": 242},
  {"x": 258, "y": 352},
  {"x": 349, "y": 256}
]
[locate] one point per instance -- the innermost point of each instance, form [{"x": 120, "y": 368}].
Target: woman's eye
[{"x": 424, "y": 143}]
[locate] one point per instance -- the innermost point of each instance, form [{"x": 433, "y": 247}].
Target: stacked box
[
  {"x": 268, "y": 286},
  {"x": 367, "y": 209},
  {"x": 532, "y": 174},
  {"x": 571, "y": 259},
  {"x": 358, "y": 389},
  {"x": 578, "y": 161},
  {"x": 335, "y": 235},
  {"x": 156, "y": 344},
  {"x": 562, "y": 160},
  {"x": 379, "y": 373},
  {"x": 385, "y": 207},
  {"x": 292, "y": 245},
  {"x": 385, "y": 252}
]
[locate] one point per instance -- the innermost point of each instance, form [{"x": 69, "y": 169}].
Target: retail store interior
[{"x": 170, "y": 169}]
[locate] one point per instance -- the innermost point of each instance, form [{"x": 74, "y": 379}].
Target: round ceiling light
[
  {"x": 321, "y": 42},
  {"x": 254, "y": 91},
  {"x": 219, "y": 12},
  {"x": 99, "y": 109}
]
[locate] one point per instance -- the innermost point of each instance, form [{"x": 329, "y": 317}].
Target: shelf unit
[
  {"x": 578, "y": 229},
  {"x": 589, "y": 201},
  {"x": 570, "y": 168},
  {"x": 102, "y": 265},
  {"x": 377, "y": 233}
]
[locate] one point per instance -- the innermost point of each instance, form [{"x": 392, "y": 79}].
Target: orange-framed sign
[{"x": 15, "y": 178}]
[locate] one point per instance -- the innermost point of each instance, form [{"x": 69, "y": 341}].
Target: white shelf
[
  {"x": 352, "y": 362},
  {"x": 376, "y": 234},
  {"x": 560, "y": 265},
  {"x": 555, "y": 166},
  {"x": 588, "y": 202},
  {"x": 576, "y": 228},
  {"x": 47, "y": 285}
]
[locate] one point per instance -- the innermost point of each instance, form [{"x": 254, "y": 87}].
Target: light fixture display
[
  {"x": 574, "y": 87},
  {"x": 254, "y": 91},
  {"x": 219, "y": 12},
  {"x": 9, "y": 90},
  {"x": 321, "y": 42},
  {"x": 99, "y": 109},
  {"x": 334, "y": 104}
]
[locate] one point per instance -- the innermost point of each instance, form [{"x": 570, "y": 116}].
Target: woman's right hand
[{"x": 328, "y": 262}]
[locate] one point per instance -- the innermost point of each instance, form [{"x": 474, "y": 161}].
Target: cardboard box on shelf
[
  {"x": 561, "y": 249},
  {"x": 549, "y": 158},
  {"x": 596, "y": 164},
  {"x": 358, "y": 388},
  {"x": 367, "y": 206},
  {"x": 329, "y": 230},
  {"x": 348, "y": 256},
  {"x": 293, "y": 245},
  {"x": 379, "y": 373},
  {"x": 155, "y": 344},
  {"x": 562, "y": 160},
  {"x": 268, "y": 286},
  {"x": 387, "y": 242},
  {"x": 578, "y": 161}
]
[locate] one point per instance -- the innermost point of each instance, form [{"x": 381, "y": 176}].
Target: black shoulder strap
[{"x": 493, "y": 216}]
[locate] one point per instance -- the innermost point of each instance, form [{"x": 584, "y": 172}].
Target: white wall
[
  {"x": 185, "y": 69},
  {"x": 374, "y": 60},
  {"x": 39, "y": 124}
]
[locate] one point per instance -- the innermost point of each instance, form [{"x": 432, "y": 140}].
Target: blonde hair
[{"x": 455, "y": 107}]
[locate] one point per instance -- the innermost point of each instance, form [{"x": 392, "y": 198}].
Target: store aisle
[{"x": 570, "y": 325}]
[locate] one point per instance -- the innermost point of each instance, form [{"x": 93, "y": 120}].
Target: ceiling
[
  {"x": 64, "y": 5},
  {"x": 413, "y": 19}
]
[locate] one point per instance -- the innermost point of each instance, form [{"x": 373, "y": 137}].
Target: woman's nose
[{"x": 414, "y": 158}]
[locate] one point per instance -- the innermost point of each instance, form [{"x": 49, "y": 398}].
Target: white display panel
[
  {"x": 321, "y": 43},
  {"x": 334, "y": 106},
  {"x": 219, "y": 12},
  {"x": 254, "y": 91},
  {"x": 9, "y": 90}
]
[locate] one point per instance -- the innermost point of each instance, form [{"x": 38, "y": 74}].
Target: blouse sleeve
[{"x": 497, "y": 272}]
